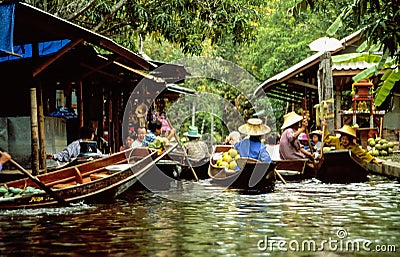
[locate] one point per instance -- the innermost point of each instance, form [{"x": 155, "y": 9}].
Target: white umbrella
[{"x": 325, "y": 44}]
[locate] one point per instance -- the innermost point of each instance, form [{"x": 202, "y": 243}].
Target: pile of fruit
[
  {"x": 227, "y": 159},
  {"x": 380, "y": 147},
  {"x": 159, "y": 143},
  {"x": 6, "y": 192}
]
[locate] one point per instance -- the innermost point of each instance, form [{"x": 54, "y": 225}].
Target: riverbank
[{"x": 389, "y": 168}]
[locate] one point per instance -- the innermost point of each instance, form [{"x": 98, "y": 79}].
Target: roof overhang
[{"x": 289, "y": 82}]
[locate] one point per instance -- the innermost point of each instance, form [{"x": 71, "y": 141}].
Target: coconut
[
  {"x": 375, "y": 152},
  {"x": 383, "y": 153}
]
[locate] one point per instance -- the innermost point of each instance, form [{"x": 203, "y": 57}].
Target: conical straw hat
[
  {"x": 254, "y": 127},
  {"x": 290, "y": 119},
  {"x": 346, "y": 129},
  {"x": 141, "y": 110}
]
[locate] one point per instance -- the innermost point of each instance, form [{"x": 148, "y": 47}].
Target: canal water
[{"x": 304, "y": 218}]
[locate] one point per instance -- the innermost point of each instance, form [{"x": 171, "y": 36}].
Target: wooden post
[
  {"x": 325, "y": 85},
  {"x": 212, "y": 125},
  {"x": 42, "y": 136},
  {"x": 34, "y": 133},
  {"x": 193, "y": 114},
  {"x": 338, "y": 121},
  {"x": 80, "y": 103}
]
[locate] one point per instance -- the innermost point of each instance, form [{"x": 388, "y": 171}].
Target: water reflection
[{"x": 218, "y": 223}]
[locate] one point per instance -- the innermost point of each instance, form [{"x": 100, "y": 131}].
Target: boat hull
[
  {"x": 89, "y": 182},
  {"x": 253, "y": 175},
  {"x": 341, "y": 166}
]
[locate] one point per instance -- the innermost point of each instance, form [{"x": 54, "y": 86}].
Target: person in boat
[
  {"x": 316, "y": 144},
  {"x": 130, "y": 138},
  {"x": 293, "y": 126},
  {"x": 251, "y": 145},
  {"x": 141, "y": 132},
  {"x": 196, "y": 149},
  {"x": 232, "y": 138},
  {"x": 4, "y": 158},
  {"x": 304, "y": 146},
  {"x": 74, "y": 148},
  {"x": 346, "y": 141},
  {"x": 272, "y": 145},
  {"x": 154, "y": 131},
  {"x": 165, "y": 128}
]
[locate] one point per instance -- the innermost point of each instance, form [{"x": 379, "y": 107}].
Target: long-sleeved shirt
[
  {"x": 289, "y": 146},
  {"x": 354, "y": 148},
  {"x": 197, "y": 150},
  {"x": 70, "y": 152},
  {"x": 253, "y": 149},
  {"x": 149, "y": 138}
]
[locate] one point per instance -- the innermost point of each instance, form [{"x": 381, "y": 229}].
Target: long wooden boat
[
  {"x": 176, "y": 166},
  {"x": 100, "y": 180},
  {"x": 342, "y": 166},
  {"x": 253, "y": 175}
]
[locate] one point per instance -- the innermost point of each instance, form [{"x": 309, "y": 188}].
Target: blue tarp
[
  {"x": 45, "y": 48},
  {"x": 6, "y": 28},
  {"x": 10, "y": 52}
]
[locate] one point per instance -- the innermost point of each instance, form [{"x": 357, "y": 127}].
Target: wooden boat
[
  {"x": 100, "y": 180},
  {"x": 253, "y": 175},
  {"x": 296, "y": 169},
  {"x": 175, "y": 165},
  {"x": 341, "y": 166}
]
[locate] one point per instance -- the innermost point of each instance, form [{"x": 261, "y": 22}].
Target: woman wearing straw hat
[
  {"x": 346, "y": 141},
  {"x": 197, "y": 150},
  {"x": 289, "y": 148},
  {"x": 252, "y": 146}
]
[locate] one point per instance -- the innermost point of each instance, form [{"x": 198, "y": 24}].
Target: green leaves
[{"x": 389, "y": 79}]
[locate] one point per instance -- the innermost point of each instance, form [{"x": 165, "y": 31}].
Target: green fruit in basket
[
  {"x": 224, "y": 164},
  {"x": 232, "y": 165}
]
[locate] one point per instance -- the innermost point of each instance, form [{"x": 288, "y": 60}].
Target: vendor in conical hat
[
  {"x": 251, "y": 146},
  {"x": 293, "y": 126},
  {"x": 346, "y": 141}
]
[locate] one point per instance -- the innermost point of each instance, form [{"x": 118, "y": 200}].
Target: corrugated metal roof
[{"x": 361, "y": 65}]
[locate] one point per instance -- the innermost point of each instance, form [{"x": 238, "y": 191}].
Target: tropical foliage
[
  {"x": 186, "y": 23},
  {"x": 379, "y": 22}
]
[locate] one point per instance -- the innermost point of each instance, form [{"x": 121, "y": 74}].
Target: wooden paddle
[
  {"x": 280, "y": 176},
  {"x": 39, "y": 183},
  {"x": 184, "y": 152}
]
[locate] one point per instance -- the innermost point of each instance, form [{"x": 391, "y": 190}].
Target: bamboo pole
[
  {"x": 34, "y": 133},
  {"x": 42, "y": 136},
  {"x": 80, "y": 103}
]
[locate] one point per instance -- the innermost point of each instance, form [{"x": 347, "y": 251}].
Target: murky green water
[{"x": 298, "y": 219}]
